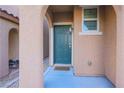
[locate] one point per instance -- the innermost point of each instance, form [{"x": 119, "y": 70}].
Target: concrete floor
[
  {"x": 66, "y": 79},
  {"x": 10, "y": 80},
  {"x": 45, "y": 63}
]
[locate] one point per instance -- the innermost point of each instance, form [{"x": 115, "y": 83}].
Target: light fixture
[{"x": 71, "y": 29}]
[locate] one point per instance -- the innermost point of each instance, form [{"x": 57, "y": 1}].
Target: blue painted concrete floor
[{"x": 66, "y": 79}]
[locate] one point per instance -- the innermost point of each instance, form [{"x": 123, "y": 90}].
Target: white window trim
[{"x": 91, "y": 32}]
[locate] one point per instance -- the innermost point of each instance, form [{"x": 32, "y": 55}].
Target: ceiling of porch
[{"x": 61, "y": 8}]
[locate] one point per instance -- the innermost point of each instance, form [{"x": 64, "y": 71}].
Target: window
[{"x": 90, "y": 22}]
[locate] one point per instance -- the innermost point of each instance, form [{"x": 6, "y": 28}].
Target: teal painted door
[{"x": 62, "y": 44}]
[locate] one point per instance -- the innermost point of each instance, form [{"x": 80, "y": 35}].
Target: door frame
[{"x": 52, "y": 44}]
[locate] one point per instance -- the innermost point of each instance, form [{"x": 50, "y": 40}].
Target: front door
[{"x": 62, "y": 44}]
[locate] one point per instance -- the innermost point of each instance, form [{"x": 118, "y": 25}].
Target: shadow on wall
[{"x": 45, "y": 44}]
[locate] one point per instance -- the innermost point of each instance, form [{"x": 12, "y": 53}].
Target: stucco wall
[
  {"x": 87, "y": 48},
  {"x": 110, "y": 43},
  {"x": 120, "y": 47},
  {"x": 5, "y": 27},
  {"x": 31, "y": 48},
  {"x": 100, "y": 50}
]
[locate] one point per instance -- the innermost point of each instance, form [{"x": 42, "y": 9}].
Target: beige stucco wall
[
  {"x": 31, "y": 46},
  {"x": 110, "y": 43},
  {"x": 5, "y": 27},
  {"x": 100, "y": 50},
  {"x": 120, "y": 47},
  {"x": 87, "y": 48}
]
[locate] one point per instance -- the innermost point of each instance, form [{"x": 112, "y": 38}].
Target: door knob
[{"x": 69, "y": 45}]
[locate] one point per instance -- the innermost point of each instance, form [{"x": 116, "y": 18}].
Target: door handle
[{"x": 69, "y": 45}]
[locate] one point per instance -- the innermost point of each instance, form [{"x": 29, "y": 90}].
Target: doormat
[{"x": 63, "y": 68}]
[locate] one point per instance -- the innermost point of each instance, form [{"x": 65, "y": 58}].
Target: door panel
[{"x": 62, "y": 44}]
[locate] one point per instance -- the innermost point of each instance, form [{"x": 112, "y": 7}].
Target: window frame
[{"x": 91, "y": 32}]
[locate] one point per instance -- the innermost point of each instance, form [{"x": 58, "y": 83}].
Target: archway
[
  {"x": 13, "y": 49},
  {"x": 108, "y": 69}
]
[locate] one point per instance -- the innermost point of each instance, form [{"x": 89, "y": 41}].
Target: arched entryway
[
  {"x": 13, "y": 49},
  {"x": 104, "y": 45}
]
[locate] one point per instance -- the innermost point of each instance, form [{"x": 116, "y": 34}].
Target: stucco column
[
  {"x": 4, "y": 66},
  {"x": 120, "y": 48},
  {"x": 31, "y": 47}
]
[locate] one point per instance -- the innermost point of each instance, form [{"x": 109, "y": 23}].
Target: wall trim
[
  {"x": 63, "y": 23},
  {"x": 51, "y": 46},
  {"x": 91, "y": 33}
]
